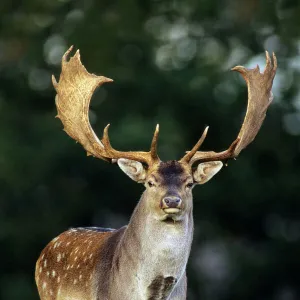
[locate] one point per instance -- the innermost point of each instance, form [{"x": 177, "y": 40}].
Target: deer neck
[{"x": 152, "y": 249}]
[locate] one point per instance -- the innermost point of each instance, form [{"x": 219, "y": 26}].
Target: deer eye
[
  {"x": 190, "y": 185},
  {"x": 150, "y": 183}
]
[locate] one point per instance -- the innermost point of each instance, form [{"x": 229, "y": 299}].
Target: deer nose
[{"x": 171, "y": 202}]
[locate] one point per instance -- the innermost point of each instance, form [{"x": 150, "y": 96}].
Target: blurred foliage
[{"x": 170, "y": 61}]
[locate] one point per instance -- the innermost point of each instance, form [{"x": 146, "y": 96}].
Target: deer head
[{"x": 168, "y": 184}]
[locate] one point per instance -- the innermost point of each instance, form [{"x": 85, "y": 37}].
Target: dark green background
[{"x": 170, "y": 61}]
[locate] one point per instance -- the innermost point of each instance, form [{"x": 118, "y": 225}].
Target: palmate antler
[
  {"x": 259, "y": 98},
  {"x": 76, "y": 87},
  {"x": 74, "y": 92}
]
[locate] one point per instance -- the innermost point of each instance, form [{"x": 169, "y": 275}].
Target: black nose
[{"x": 171, "y": 202}]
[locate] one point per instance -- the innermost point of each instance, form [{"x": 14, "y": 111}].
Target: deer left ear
[
  {"x": 206, "y": 171},
  {"x": 134, "y": 169}
]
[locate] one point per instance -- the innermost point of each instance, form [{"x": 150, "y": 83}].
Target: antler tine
[
  {"x": 149, "y": 158},
  {"x": 153, "y": 148},
  {"x": 74, "y": 92},
  {"x": 259, "y": 98},
  {"x": 191, "y": 153}
]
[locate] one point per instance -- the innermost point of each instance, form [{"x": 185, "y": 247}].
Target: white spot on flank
[
  {"x": 51, "y": 293},
  {"x": 91, "y": 255},
  {"x": 75, "y": 258},
  {"x": 80, "y": 277},
  {"x": 44, "y": 285},
  {"x": 41, "y": 269},
  {"x": 48, "y": 273},
  {"x": 45, "y": 263},
  {"x": 68, "y": 267},
  {"x": 78, "y": 266},
  {"x": 58, "y": 257},
  {"x": 68, "y": 243},
  {"x": 53, "y": 273},
  {"x": 58, "y": 279},
  {"x": 42, "y": 256},
  {"x": 75, "y": 281}
]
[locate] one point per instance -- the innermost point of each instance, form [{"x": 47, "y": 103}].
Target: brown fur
[
  {"x": 71, "y": 259},
  {"x": 171, "y": 173},
  {"x": 160, "y": 287}
]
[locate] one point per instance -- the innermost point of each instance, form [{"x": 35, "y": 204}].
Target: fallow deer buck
[{"x": 147, "y": 258}]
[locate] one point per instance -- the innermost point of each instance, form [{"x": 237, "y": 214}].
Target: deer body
[{"x": 147, "y": 259}]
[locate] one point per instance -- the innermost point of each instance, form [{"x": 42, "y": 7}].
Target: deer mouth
[{"x": 172, "y": 210}]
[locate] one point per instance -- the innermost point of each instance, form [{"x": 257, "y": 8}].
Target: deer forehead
[{"x": 171, "y": 173}]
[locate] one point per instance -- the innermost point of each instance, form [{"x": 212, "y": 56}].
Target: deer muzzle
[{"x": 171, "y": 204}]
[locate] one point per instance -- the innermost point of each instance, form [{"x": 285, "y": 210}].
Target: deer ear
[
  {"x": 134, "y": 169},
  {"x": 205, "y": 171}
]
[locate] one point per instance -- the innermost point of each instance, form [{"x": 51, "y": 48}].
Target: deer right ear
[{"x": 134, "y": 169}]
